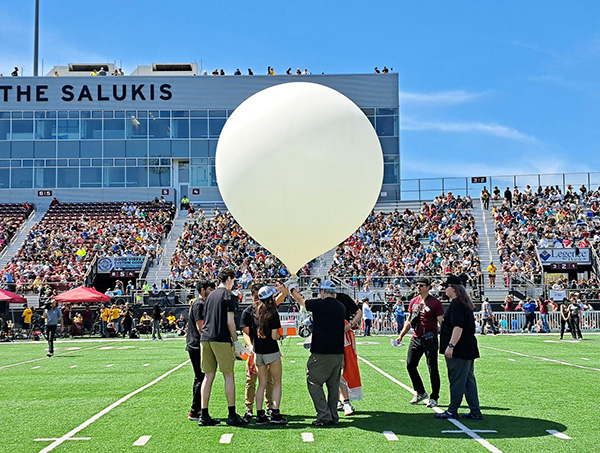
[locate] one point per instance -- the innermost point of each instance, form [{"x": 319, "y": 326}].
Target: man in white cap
[{"x": 324, "y": 366}]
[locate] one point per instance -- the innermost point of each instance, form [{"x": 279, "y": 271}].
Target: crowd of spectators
[
  {"x": 437, "y": 240},
  {"x": 59, "y": 248},
  {"x": 12, "y": 216},
  {"x": 208, "y": 244},
  {"x": 543, "y": 218}
]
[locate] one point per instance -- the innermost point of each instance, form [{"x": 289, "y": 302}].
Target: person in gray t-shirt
[{"x": 53, "y": 316}]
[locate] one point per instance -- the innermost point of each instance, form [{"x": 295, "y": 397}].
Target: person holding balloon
[
  {"x": 324, "y": 366},
  {"x": 260, "y": 323}
]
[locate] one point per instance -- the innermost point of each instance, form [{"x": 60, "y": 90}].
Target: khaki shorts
[
  {"x": 265, "y": 359},
  {"x": 213, "y": 353}
]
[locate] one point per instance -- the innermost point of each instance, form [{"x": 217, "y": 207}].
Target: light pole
[{"x": 36, "y": 38}]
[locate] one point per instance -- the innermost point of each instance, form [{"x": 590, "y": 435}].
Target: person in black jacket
[{"x": 459, "y": 346}]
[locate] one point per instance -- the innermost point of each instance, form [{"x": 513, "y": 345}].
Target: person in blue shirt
[
  {"x": 399, "y": 314},
  {"x": 52, "y": 315},
  {"x": 529, "y": 309}
]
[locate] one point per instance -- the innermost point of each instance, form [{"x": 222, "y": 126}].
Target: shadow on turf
[{"x": 425, "y": 425}]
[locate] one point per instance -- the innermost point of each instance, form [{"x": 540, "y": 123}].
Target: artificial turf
[{"x": 521, "y": 397}]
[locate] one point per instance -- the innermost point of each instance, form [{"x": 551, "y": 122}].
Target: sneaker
[
  {"x": 248, "y": 415},
  {"x": 193, "y": 416},
  {"x": 472, "y": 416},
  {"x": 432, "y": 403},
  {"x": 269, "y": 412},
  {"x": 348, "y": 409},
  {"x": 208, "y": 421},
  {"x": 447, "y": 414},
  {"x": 278, "y": 419},
  {"x": 261, "y": 419},
  {"x": 320, "y": 424},
  {"x": 418, "y": 398},
  {"x": 50, "y": 354},
  {"x": 236, "y": 420},
  {"x": 340, "y": 406}
]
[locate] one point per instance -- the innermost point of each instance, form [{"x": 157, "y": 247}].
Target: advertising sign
[{"x": 580, "y": 256}]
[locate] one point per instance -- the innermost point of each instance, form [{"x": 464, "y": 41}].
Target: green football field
[{"x": 537, "y": 394}]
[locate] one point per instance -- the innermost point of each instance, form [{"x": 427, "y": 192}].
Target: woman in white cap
[{"x": 261, "y": 324}]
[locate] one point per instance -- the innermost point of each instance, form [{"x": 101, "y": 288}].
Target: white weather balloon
[{"x": 300, "y": 167}]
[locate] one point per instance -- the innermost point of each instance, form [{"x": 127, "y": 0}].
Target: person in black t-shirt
[
  {"x": 195, "y": 321},
  {"x": 218, "y": 334},
  {"x": 260, "y": 323},
  {"x": 459, "y": 346},
  {"x": 324, "y": 365}
]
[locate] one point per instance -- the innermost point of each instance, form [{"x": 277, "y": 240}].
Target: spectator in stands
[
  {"x": 485, "y": 198},
  {"x": 492, "y": 268},
  {"x": 508, "y": 304}
]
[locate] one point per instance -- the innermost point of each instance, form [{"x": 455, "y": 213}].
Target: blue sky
[{"x": 487, "y": 87}]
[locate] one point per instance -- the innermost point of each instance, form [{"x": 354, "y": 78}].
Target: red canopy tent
[
  {"x": 11, "y": 298},
  {"x": 82, "y": 294}
]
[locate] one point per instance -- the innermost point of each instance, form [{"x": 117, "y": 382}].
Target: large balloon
[{"x": 300, "y": 167}]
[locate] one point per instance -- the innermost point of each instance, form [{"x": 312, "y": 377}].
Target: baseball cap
[
  {"x": 327, "y": 285},
  {"x": 452, "y": 280},
  {"x": 424, "y": 280},
  {"x": 265, "y": 292}
]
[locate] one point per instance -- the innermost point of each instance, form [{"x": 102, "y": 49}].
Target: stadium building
[{"x": 82, "y": 138}]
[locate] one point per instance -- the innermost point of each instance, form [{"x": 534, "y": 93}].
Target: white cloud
[
  {"x": 497, "y": 130},
  {"x": 439, "y": 97}
]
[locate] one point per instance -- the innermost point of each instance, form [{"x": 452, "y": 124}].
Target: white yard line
[
  {"x": 558, "y": 434},
  {"x": 46, "y": 358},
  {"x": 106, "y": 410},
  {"x": 226, "y": 439},
  {"x": 541, "y": 358},
  {"x": 456, "y": 423},
  {"x": 143, "y": 440},
  {"x": 308, "y": 437}
]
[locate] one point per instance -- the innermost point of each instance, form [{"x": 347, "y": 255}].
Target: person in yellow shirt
[
  {"x": 145, "y": 323},
  {"x": 104, "y": 318},
  {"x": 492, "y": 268},
  {"x": 115, "y": 317},
  {"x": 27, "y": 314},
  {"x": 171, "y": 322}
]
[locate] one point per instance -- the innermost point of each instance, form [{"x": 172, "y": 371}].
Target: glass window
[
  {"x": 180, "y": 148},
  {"x": 137, "y": 176},
  {"x": 40, "y": 115},
  {"x": 85, "y": 162},
  {"x": 159, "y": 176},
  {"x": 216, "y": 125},
  {"x": 4, "y": 178},
  {"x": 5, "y": 149},
  {"x": 200, "y": 176},
  {"x": 39, "y": 163},
  {"x": 136, "y": 148},
  {"x": 198, "y": 128},
  {"x": 91, "y": 177},
  {"x": 137, "y": 127},
  {"x": 114, "y": 129},
  {"x": 88, "y": 149},
  {"x": 181, "y": 113},
  {"x": 165, "y": 114},
  {"x": 387, "y": 111},
  {"x": 74, "y": 114},
  {"x": 15, "y": 163},
  {"x": 389, "y": 145},
  {"x": 114, "y": 148},
  {"x": 21, "y": 178},
  {"x": 96, "y": 162},
  {"x": 217, "y": 113},
  {"x": 91, "y": 129},
  {"x": 68, "y": 129},
  {"x": 113, "y": 177},
  {"x": 51, "y": 114},
  {"x": 97, "y": 114},
  {"x": 119, "y": 162},
  {"x": 17, "y": 114},
  {"x": 73, "y": 162},
  {"x": 27, "y": 114},
  {"x": 108, "y": 114},
  {"x": 391, "y": 170},
  {"x": 45, "y": 178},
  {"x": 27, "y": 163},
  {"x": 369, "y": 112},
  {"x": 144, "y": 113},
  {"x": 70, "y": 148},
  {"x": 387, "y": 126},
  {"x": 108, "y": 162},
  {"x": 59, "y": 162},
  {"x": 45, "y": 129},
  {"x": 86, "y": 114},
  {"x": 4, "y": 114},
  {"x": 21, "y": 150},
  {"x": 50, "y": 162},
  {"x": 67, "y": 177},
  {"x": 198, "y": 114},
  {"x": 131, "y": 162},
  {"x": 181, "y": 128},
  {"x": 159, "y": 128},
  {"x": 4, "y": 163},
  {"x": 63, "y": 114},
  {"x": 159, "y": 148},
  {"x": 4, "y": 130},
  {"x": 22, "y": 129},
  {"x": 199, "y": 148},
  {"x": 212, "y": 148},
  {"x": 44, "y": 149},
  {"x": 119, "y": 114}
]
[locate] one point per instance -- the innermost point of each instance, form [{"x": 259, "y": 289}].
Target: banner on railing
[
  {"x": 575, "y": 255},
  {"x": 120, "y": 263}
]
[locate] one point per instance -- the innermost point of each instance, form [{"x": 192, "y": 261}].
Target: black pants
[
  {"x": 127, "y": 328},
  {"x": 567, "y": 323},
  {"x": 50, "y": 336},
  {"x": 418, "y": 347},
  {"x": 575, "y": 330},
  {"x": 529, "y": 321},
  {"x": 489, "y": 322},
  {"x": 198, "y": 378},
  {"x": 368, "y": 324}
]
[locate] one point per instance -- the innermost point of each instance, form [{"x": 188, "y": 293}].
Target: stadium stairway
[
  {"x": 162, "y": 270},
  {"x": 488, "y": 252},
  {"x": 322, "y": 264},
  {"x": 20, "y": 237}
]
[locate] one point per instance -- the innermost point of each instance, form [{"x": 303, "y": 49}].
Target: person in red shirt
[
  {"x": 425, "y": 315},
  {"x": 543, "y": 306}
]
